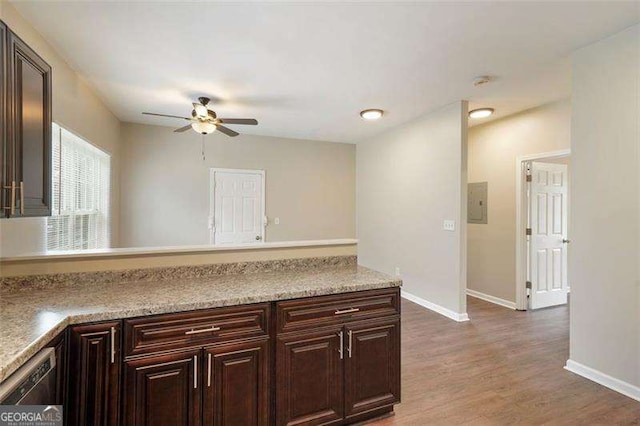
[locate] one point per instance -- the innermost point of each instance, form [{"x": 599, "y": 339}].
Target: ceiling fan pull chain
[{"x": 203, "y": 156}]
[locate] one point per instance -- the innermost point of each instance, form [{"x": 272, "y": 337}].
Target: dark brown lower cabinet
[
  {"x": 310, "y": 377},
  {"x": 59, "y": 344},
  {"x": 372, "y": 367},
  {"x": 334, "y": 361},
  {"x": 236, "y": 388},
  {"x": 340, "y": 375},
  {"x": 163, "y": 390},
  {"x": 94, "y": 374}
]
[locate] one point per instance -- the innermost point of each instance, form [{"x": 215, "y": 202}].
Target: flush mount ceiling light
[
  {"x": 481, "y": 112},
  {"x": 371, "y": 114}
]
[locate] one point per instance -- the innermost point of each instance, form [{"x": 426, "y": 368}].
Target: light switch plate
[
  {"x": 449, "y": 225},
  {"x": 397, "y": 271},
  {"x": 276, "y": 221}
]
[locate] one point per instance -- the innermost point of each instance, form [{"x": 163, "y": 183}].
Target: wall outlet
[
  {"x": 276, "y": 221},
  {"x": 449, "y": 225},
  {"x": 397, "y": 271}
]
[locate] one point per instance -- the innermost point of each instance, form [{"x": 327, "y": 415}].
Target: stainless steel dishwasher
[{"x": 32, "y": 384}]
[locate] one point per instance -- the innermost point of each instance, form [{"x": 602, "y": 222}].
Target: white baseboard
[
  {"x": 604, "y": 379},
  {"x": 435, "y": 308},
  {"x": 492, "y": 299}
]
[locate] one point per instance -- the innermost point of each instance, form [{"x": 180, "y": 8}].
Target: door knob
[
  {"x": 565, "y": 241},
  {"x": 258, "y": 237}
]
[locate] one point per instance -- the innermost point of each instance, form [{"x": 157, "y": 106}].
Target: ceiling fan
[{"x": 204, "y": 120}]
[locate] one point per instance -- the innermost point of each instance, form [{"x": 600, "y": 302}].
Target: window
[{"x": 80, "y": 176}]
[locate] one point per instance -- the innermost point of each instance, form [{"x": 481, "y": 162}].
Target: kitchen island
[{"x": 268, "y": 344}]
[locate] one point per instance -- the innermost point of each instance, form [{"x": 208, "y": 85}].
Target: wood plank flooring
[{"x": 502, "y": 367}]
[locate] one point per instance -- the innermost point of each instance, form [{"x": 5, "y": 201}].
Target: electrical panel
[{"x": 477, "y": 195}]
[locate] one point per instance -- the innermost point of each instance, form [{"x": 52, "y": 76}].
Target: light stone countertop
[{"x": 30, "y": 318}]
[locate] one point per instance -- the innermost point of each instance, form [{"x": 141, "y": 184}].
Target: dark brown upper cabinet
[
  {"x": 26, "y": 140},
  {"x": 4, "y": 146}
]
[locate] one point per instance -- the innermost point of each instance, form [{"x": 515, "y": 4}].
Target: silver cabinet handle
[
  {"x": 203, "y": 330},
  {"x": 350, "y": 333},
  {"x": 21, "y": 197},
  {"x": 12, "y": 203},
  {"x": 195, "y": 371},
  {"x": 346, "y": 311},
  {"x": 113, "y": 345},
  {"x": 341, "y": 350},
  {"x": 208, "y": 370}
]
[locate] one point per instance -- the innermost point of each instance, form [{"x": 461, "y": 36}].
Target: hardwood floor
[{"x": 503, "y": 367}]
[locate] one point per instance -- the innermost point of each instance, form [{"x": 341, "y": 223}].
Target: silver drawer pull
[
  {"x": 346, "y": 311},
  {"x": 203, "y": 330}
]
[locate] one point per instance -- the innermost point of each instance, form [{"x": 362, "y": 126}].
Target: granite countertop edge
[{"x": 14, "y": 362}]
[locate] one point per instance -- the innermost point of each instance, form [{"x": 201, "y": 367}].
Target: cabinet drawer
[
  {"x": 318, "y": 311},
  {"x": 190, "y": 329}
]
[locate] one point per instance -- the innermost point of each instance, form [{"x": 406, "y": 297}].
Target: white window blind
[{"x": 80, "y": 176}]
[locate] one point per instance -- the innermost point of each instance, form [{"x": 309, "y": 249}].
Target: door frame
[
  {"x": 212, "y": 197},
  {"x": 521, "y": 221}
]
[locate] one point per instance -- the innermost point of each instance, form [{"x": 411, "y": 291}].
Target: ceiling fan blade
[
  {"x": 166, "y": 115},
  {"x": 182, "y": 129},
  {"x": 227, "y": 131},
  {"x": 251, "y": 121}
]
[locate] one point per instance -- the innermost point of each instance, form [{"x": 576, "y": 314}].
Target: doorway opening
[
  {"x": 237, "y": 206},
  {"x": 542, "y": 229}
]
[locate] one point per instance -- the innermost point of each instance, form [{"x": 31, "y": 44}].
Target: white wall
[
  {"x": 409, "y": 180},
  {"x": 75, "y": 107},
  {"x": 310, "y": 185},
  {"x": 604, "y": 258},
  {"x": 493, "y": 149}
]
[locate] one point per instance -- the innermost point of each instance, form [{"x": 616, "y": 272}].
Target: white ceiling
[{"x": 305, "y": 70}]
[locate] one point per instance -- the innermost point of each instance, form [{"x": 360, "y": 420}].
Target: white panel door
[
  {"x": 547, "y": 243},
  {"x": 237, "y": 207}
]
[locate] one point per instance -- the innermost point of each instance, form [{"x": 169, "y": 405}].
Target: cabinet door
[
  {"x": 309, "y": 378},
  {"x": 163, "y": 390},
  {"x": 94, "y": 374},
  {"x": 236, "y": 384},
  {"x": 5, "y": 159},
  {"x": 29, "y": 93},
  {"x": 60, "y": 346},
  {"x": 372, "y": 366}
]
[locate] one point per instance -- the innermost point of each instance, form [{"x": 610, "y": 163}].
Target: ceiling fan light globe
[{"x": 203, "y": 127}]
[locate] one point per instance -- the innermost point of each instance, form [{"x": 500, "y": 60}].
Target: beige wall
[
  {"x": 604, "y": 260},
  {"x": 75, "y": 107},
  {"x": 310, "y": 185},
  {"x": 493, "y": 149},
  {"x": 409, "y": 180}
]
